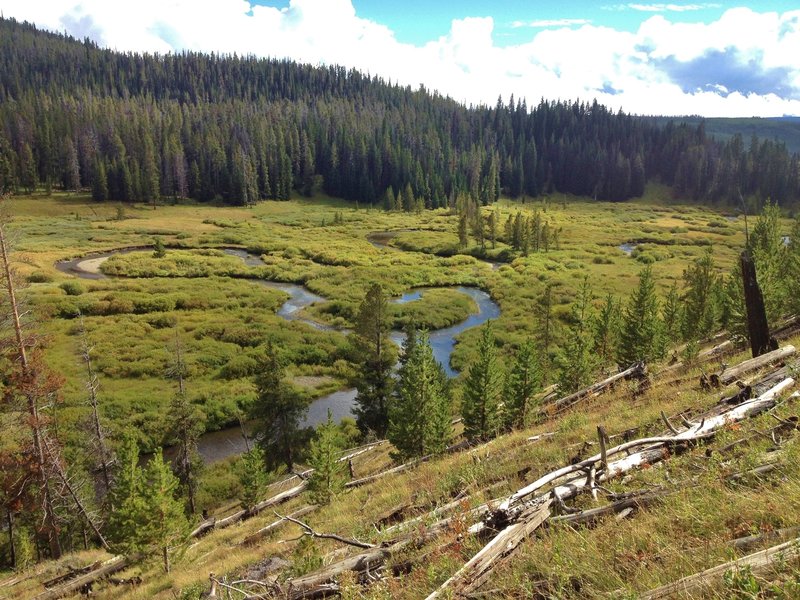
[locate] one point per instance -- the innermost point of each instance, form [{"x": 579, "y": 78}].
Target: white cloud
[
  {"x": 662, "y": 7},
  {"x": 567, "y": 59},
  {"x": 550, "y": 23}
]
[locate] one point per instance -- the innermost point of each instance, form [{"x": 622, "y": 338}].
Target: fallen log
[
  {"x": 637, "y": 371},
  {"x": 731, "y": 374},
  {"x": 477, "y": 569},
  {"x": 71, "y": 574},
  {"x": 405, "y": 466},
  {"x": 240, "y": 515},
  {"x": 515, "y": 509},
  {"x": 759, "y": 563},
  {"x": 109, "y": 567},
  {"x": 743, "y": 544}
]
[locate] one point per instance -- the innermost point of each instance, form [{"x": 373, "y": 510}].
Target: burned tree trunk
[{"x": 757, "y": 326}]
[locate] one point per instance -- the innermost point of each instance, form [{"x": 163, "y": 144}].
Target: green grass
[{"x": 222, "y": 318}]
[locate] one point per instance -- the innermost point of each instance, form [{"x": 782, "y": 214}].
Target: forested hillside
[{"x": 240, "y": 129}]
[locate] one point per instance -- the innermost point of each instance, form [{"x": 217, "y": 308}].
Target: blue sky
[{"x": 679, "y": 57}]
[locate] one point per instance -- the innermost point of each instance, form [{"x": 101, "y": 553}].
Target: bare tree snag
[
  {"x": 103, "y": 456},
  {"x": 32, "y": 401},
  {"x": 757, "y": 325},
  {"x": 759, "y": 563}
]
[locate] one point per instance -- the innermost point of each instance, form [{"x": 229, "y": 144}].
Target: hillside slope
[{"x": 690, "y": 506}]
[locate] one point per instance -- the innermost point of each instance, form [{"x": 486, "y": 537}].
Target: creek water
[{"x": 218, "y": 445}]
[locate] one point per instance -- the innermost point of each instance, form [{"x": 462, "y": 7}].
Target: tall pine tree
[
  {"x": 420, "y": 413},
  {"x": 483, "y": 390},
  {"x": 374, "y": 358}
]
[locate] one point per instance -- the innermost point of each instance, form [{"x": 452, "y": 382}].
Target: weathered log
[
  {"x": 636, "y": 371},
  {"x": 259, "y": 535},
  {"x": 630, "y": 501},
  {"x": 515, "y": 509},
  {"x": 240, "y": 515},
  {"x": 731, "y": 374},
  {"x": 477, "y": 569},
  {"x": 743, "y": 544},
  {"x": 71, "y": 574},
  {"x": 759, "y": 563},
  {"x": 405, "y": 466},
  {"x": 109, "y": 567}
]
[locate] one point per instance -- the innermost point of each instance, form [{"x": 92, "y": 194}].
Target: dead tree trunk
[
  {"x": 91, "y": 386},
  {"x": 11, "y": 548},
  {"x": 757, "y": 326},
  {"x": 32, "y": 402}
]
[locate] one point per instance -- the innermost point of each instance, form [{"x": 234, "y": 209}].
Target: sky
[{"x": 715, "y": 59}]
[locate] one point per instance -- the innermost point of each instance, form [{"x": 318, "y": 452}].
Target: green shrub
[
  {"x": 72, "y": 288},
  {"x": 39, "y": 277},
  {"x": 239, "y": 366}
]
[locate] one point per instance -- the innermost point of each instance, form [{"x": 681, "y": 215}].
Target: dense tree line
[{"x": 236, "y": 129}]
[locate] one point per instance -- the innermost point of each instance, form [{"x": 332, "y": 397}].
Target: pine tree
[
  {"x": 577, "y": 360},
  {"x": 166, "y": 524},
  {"x": 277, "y": 411},
  {"x": 640, "y": 338},
  {"x": 523, "y": 380},
  {"x": 184, "y": 427},
  {"x": 672, "y": 314},
  {"x": 463, "y": 238},
  {"x": 128, "y": 517},
  {"x": 372, "y": 353},
  {"x": 420, "y": 412},
  {"x": 493, "y": 228},
  {"x": 483, "y": 389},
  {"x": 700, "y": 310},
  {"x": 605, "y": 325},
  {"x": 252, "y": 477},
  {"x": 328, "y": 477}
]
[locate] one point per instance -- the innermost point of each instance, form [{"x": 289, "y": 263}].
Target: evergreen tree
[
  {"x": 543, "y": 312},
  {"x": 700, "y": 310},
  {"x": 277, "y": 411},
  {"x": 606, "y": 324},
  {"x": 166, "y": 524},
  {"x": 252, "y": 477},
  {"x": 128, "y": 518},
  {"x": 672, "y": 314},
  {"x": 493, "y": 228},
  {"x": 420, "y": 413},
  {"x": 325, "y": 449},
  {"x": 463, "y": 238},
  {"x": 523, "y": 380},
  {"x": 641, "y": 335},
  {"x": 100, "y": 183},
  {"x": 372, "y": 352},
  {"x": 185, "y": 424},
  {"x": 483, "y": 389},
  {"x": 577, "y": 360}
]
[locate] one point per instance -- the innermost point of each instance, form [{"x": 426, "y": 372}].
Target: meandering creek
[{"x": 218, "y": 445}]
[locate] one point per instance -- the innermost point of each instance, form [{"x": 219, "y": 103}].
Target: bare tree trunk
[
  {"x": 757, "y": 326},
  {"x": 11, "y": 548},
  {"x": 33, "y": 409},
  {"x": 91, "y": 385}
]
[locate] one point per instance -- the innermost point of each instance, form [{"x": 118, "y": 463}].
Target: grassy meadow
[{"x": 223, "y": 315}]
